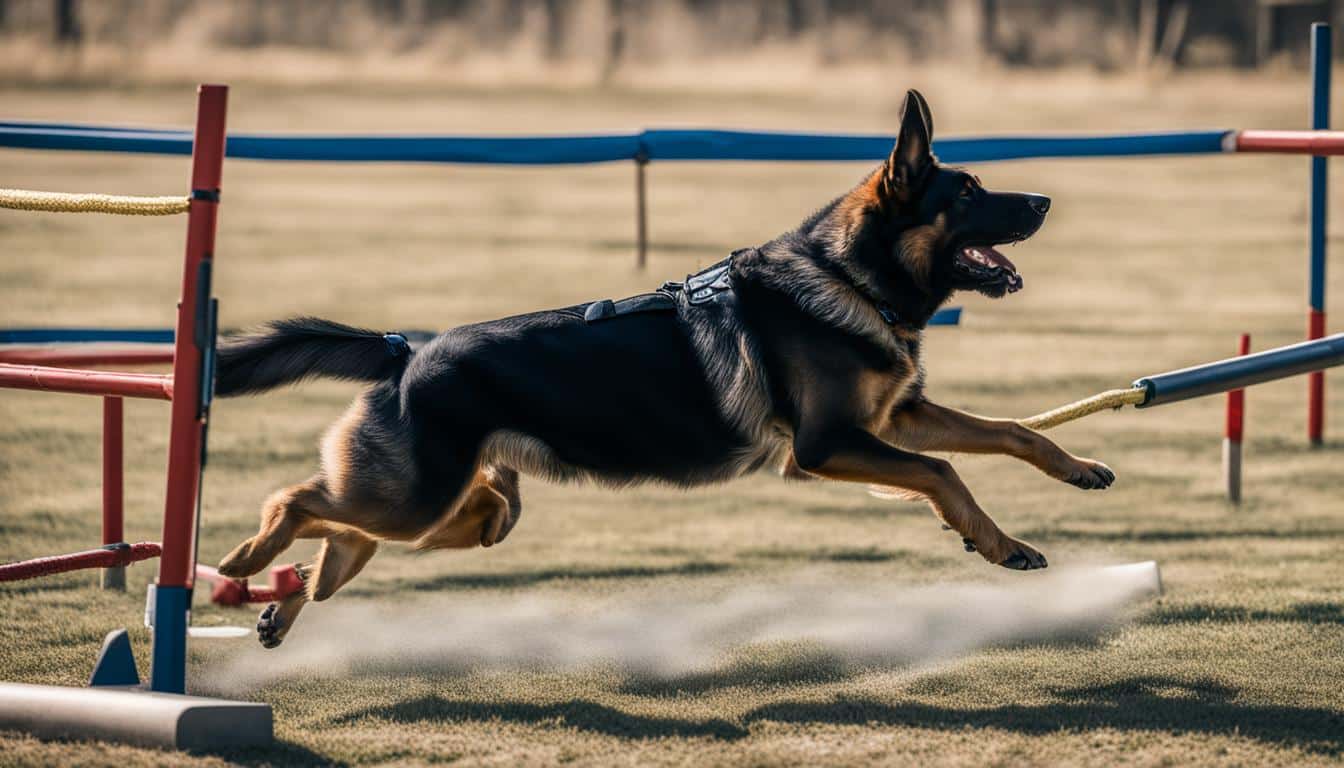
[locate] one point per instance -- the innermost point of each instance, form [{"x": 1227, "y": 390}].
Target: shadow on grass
[
  {"x": 1151, "y": 704},
  {"x": 539, "y": 576},
  {"x": 1314, "y": 612},
  {"x": 578, "y": 714},
  {"x": 281, "y": 753},
  {"x": 814, "y": 669},
  {"x": 1192, "y": 534},
  {"x": 837, "y": 555},
  {"x": 1146, "y": 704}
]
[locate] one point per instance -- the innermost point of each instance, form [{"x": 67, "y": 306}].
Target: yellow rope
[
  {"x": 1111, "y": 399},
  {"x": 63, "y": 202}
]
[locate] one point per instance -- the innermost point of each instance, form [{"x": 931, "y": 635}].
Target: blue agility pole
[
  {"x": 949, "y": 316},
  {"x": 663, "y": 145},
  {"x": 1320, "y": 120},
  {"x": 804, "y": 147},
  {"x": 507, "y": 150}
]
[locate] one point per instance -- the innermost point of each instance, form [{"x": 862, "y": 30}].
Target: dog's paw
[
  {"x": 234, "y": 565},
  {"x": 270, "y": 627},
  {"x": 1022, "y": 556},
  {"x": 1089, "y": 475}
]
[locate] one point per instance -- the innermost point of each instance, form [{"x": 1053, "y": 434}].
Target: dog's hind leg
[
  {"x": 342, "y": 556},
  {"x": 484, "y": 515},
  {"x": 277, "y": 618},
  {"x": 295, "y": 512}
]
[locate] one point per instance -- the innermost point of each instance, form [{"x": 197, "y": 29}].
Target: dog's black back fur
[{"x": 621, "y": 400}]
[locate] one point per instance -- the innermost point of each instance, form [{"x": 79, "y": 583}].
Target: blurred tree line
[{"x": 1106, "y": 34}]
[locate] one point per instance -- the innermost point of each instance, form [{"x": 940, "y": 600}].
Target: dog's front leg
[
  {"x": 852, "y": 454},
  {"x": 926, "y": 426}
]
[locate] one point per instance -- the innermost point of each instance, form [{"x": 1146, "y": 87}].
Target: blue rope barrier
[
  {"x": 662, "y": 145},
  {"x": 743, "y": 145},
  {"x": 950, "y": 316}
]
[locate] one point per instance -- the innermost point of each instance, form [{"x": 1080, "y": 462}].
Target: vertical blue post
[
  {"x": 168, "y": 662},
  {"x": 1321, "y": 60}
]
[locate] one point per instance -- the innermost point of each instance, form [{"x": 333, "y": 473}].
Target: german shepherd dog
[{"x": 802, "y": 355}]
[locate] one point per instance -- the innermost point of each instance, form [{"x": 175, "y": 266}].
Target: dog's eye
[{"x": 967, "y": 192}]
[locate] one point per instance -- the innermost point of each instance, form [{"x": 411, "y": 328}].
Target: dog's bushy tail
[{"x": 286, "y": 351}]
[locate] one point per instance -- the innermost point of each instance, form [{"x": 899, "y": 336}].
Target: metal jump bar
[
  {"x": 88, "y": 355},
  {"x": 1238, "y": 372},
  {"x": 150, "y": 386},
  {"x": 109, "y": 556}
]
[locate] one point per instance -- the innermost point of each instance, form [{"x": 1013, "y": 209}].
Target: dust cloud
[{"x": 661, "y": 635}]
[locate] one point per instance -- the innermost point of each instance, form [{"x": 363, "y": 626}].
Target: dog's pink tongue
[{"x": 988, "y": 256}]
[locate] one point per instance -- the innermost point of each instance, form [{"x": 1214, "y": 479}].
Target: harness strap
[
  {"x": 711, "y": 284},
  {"x": 607, "y": 309}
]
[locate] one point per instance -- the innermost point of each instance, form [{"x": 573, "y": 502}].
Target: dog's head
[{"x": 923, "y": 225}]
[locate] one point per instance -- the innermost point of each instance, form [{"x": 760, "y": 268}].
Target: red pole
[
  {"x": 188, "y": 421},
  {"x": 113, "y": 506},
  {"x": 1236, "y": 399},
  {"x": 91, "y": 355},
  {"x": 1319, "y": 143},
  {"x": 1315, "y": 382},
  {"x": 152, "y": 386},
  {"x": 1233, "y": 430},
  {"x": 172, "y": 593},
  {"x": 77, "y": 561}
]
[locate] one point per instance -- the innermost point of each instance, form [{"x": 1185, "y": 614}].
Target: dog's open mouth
[{"x": 986, "y": 265}]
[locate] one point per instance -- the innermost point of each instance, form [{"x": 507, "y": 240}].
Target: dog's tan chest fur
[{"x": 879, "y": 392}]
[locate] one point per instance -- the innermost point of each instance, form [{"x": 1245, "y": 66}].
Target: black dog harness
[{"x": 710, "y": 285}]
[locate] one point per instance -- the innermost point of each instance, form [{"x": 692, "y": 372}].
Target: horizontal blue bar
[
  {"x": 950, "y": 316},
  {"x": 85, "y": 335},
  {"x": 741, "y": 145},
  {"x": 660, "y": 145},
  {"x": 512, "y": 150}
]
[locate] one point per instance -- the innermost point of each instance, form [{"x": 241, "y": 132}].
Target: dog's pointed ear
[
  {"x": 913, "y": 153},
  {"x": 923, "y": 109}
]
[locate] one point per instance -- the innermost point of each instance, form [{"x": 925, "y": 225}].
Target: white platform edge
[{"x": 134, "y": 716}]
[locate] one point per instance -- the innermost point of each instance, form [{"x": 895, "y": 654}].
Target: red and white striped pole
[{"x": 1233, "y": 431}]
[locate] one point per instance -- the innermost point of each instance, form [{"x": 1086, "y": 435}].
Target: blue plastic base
[
  {"x": 116, "y": 663},
  {"x": 168, "y": 670}
]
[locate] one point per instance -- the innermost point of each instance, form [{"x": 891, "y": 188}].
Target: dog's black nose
[{"x": 1039, "y": 203}]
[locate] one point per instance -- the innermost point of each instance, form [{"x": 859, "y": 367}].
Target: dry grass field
[{"x": 1144, "y": 265}]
